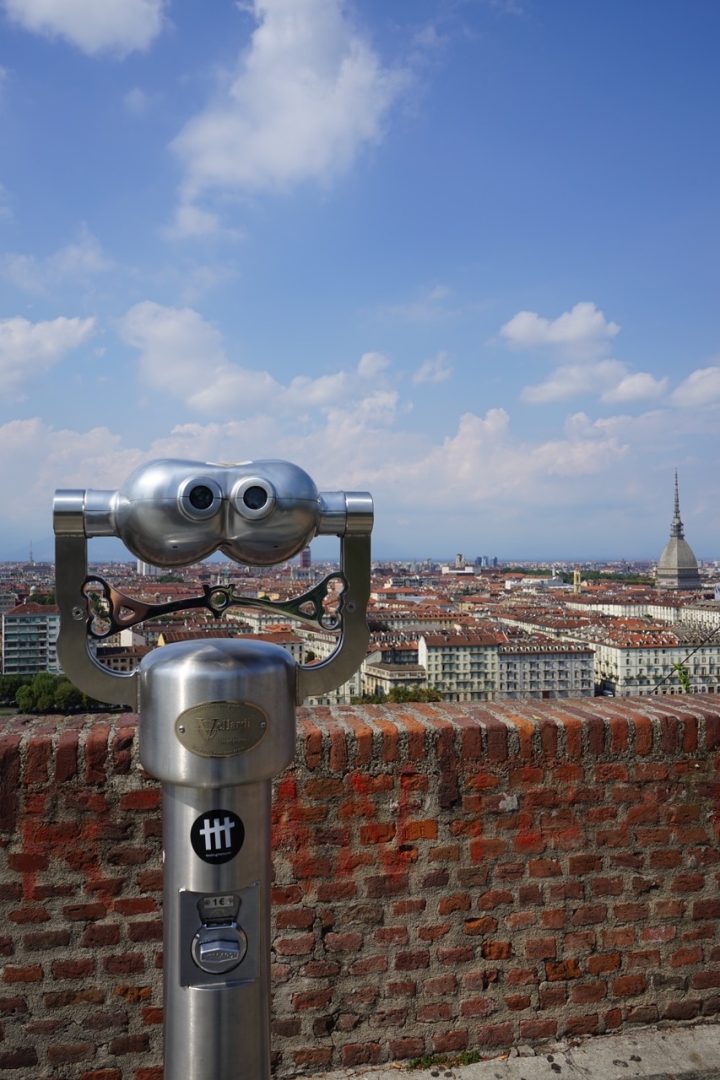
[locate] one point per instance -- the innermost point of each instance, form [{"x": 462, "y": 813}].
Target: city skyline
[{"x": 459, "y": 253}]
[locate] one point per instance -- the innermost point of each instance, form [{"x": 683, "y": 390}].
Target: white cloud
[
  {"x": 583, "y": 331},
  {"x": 183, "y": 355},
  {"x": 638, "y": 387},
  {"x": 428, "y": 306},
  {"x": 308, "y": 94},
  {"x": 191, "y": 220},
  {"x": 28, "y": 350},
  {"x": 574, "y": 380},
  {"x": 371, "y": 364},
  {"x": 81, "y": 259},
  {"x": 481, "y": 466},
  {"x": 701, "y": 387},
  {"x": 93, "y": 26},
  {"x": 180, "y": 351},
  {"x": 435, "y": 370}
]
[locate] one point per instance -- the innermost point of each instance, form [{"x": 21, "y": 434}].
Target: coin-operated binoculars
[{"x": 216, "y": 717}]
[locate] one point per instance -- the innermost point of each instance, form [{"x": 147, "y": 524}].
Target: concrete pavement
[{"x": 691, "y": 1053}]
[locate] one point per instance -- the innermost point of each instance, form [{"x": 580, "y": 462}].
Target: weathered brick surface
[{"x": 446, "y": 877}]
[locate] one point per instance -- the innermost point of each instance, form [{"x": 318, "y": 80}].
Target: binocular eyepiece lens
[
  {"x": 201, "y": 497},
  {"x": 255, "y": 497}
]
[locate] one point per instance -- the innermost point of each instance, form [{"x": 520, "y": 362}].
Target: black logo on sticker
[{"x": 217, "y": 836}]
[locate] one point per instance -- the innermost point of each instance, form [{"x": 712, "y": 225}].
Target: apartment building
[
  {"x": 29, "y": 642},
  {"x": 632, "y": 661},
  {"x": 463, "y": 667},
  {"x": 381, "y": 677},
  {"x": 545, "y": 668}
]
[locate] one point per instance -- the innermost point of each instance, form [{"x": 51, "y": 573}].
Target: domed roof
[{"x": 677, "y": 554}]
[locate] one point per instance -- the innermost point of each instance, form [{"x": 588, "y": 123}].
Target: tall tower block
[{"x": 677, "y": 567}]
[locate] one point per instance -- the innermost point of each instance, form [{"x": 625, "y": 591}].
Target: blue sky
[{"x": 460, "y": 253}]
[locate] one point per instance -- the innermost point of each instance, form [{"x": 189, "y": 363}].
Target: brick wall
[{"x": 445, "y": 877}]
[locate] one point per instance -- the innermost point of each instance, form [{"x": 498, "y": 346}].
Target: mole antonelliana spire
[{"x": 677, "y": 567}]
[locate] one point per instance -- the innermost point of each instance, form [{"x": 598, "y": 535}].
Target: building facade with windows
[{"x": 30, "y": 633}]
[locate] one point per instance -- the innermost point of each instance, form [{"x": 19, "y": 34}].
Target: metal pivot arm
[
  {"x": 77, "y": 661},
  {"x": 112, "y": 610},
  {"x": 316, "y": 679}
]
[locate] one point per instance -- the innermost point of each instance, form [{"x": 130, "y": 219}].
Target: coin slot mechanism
[{"x": 219, "y": 937}]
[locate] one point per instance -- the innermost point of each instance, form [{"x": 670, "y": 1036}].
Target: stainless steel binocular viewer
[
  {"x": 173, "y": 513},
  {"x": 216, "y": 717}
]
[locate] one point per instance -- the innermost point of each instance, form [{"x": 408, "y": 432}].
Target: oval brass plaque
[{"x": 221, "y": 728}]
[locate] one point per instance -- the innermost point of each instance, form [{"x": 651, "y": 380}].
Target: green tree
[
  {"x": 9, "y": 686},
  {"x": 414, "y": 693},
  {"x": 67, "y": 697},
  {"x": 25, "y": 699},
  {"x": 683, "y": 676}
]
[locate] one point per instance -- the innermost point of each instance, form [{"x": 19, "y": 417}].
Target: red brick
[
  {"x": 703, "y": 980},
  {"x": 101, "y": 934},
  {"x": 419, "y": 830},
  {"x": 377, "y": 833},
  {"x": 386, "y": 885},
  {"x": 482, "y": 925},
  {"x": 518, "y": 1002},
  {"x": 320, "y": 1056},
  {"x": 412, "y": 961},
  {"x": 329, "y": 891},
  {"x": 29, "y": 973},
  {"x": 311, "y": 999},
  {"x": 64, "y": 1053},
  {"x": 81, "y": 912},
  {"x": 495, "y": 1034},
  {"x": 477, "y": 1007},
  {"x": 127, "y": 964},
  {"x": 440, "y": 985},
  {"x": 407, "y": 1047},
  {"x": 66, "y": 756},
  {"x": 681, "y": 1010},
  {"x": 129, "y": 1044},
  {"x": 73, "y": 969},
  {"x": 366, "y": 1053},
  {"x": 300, "y": 945},
  {"x": 565, "y": 969},
  {"x": 586, "y": 993},
  {"x": 538, "y": 1029},
  {"x": 687, "y": 956},
  {"x": 448, "y": 1042},
  {"x": 628, "y": 985},
  {"x": 496, "y": 950},
  {"x": 582, "y": 1025},
  {"x": 456, "y": 955},
  {"x": 494, "y": 898},
  {"x": 18, "y": 1059},
  {"x": 9, "y": 780},
  {"x": 145, "y": 930},
  {"x": 706, "y": 909},
  {"x": 541, "y": 948},
  {"x": 46, "y": 939},
  {"x": 431, "y": 1014},
  {"x": 31, "y": 913}
]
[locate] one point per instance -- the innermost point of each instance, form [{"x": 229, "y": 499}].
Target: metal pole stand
[
  {"x": 217, "y": 722},
  {"x": 216, "y": 718}
]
